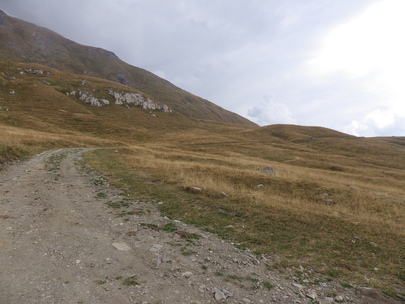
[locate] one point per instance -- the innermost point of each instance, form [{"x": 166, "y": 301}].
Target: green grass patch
[
  {"x": 115, "y": 205},
  {"x": 169, "y": 227},
  {"x": 235, "y": 277},
  {"x": 9, "y": 153},
  {"x": 268, "y": 285},
  {"x": 130, "y": 282},
  {"x": 346, "y": 285},
  {"x": 101, "y": 195},
  {"x": 187, "y": 252}
]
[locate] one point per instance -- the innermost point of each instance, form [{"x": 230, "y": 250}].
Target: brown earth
[{"x": 67, "y": 237}]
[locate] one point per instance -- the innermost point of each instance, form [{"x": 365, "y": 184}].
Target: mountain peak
[{"x": 2, "y": 13}]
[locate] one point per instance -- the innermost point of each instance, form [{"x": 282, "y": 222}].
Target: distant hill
[
  {"x": 299, "y": 133},
  {"x": 21, "y": 41}
]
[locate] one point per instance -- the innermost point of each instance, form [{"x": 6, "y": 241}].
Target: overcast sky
[{"x": 338, "y": 64}]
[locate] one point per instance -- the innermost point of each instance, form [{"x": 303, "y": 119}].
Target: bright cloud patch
[
  {"x": 371, "y": 42},
  {"x": 270, "y": 112},
  {"x": 370, "y": 50},
  {"x": 380, "y": 122}
]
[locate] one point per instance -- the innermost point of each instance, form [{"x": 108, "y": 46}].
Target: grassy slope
[
  {"x": 24, "y": 42},
  {"x": 161, "y": 157},
  {"x": 283, "y": 219}
]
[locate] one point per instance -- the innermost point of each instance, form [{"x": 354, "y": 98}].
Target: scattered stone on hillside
[
  {"x": 311, "y": 294},
  {"x": 269, "y": 170},
  {"x": 165, "y": 108},
  {"x": 328, "y": 201},
  {"x": 356, "y": 238},
  {"x": 299, "y": 286},
  {"x": 221, "y": 294},
  {"x": 35, "y": 71},
  {"x": 252, "y": 256},
  {"x": 71, "y": 93},
  {"x": 187, "y": 274},
  {"x": 121, "y": 246},
  {"x": 224, "y": 194},
  {"x": 12, "y": 92},
  {"x": 323, "y": 195},
  {"x": 339, "y": 299},
  {"x": 353, "y": 187},
  {"x": 156, "y": 248},
  {"x": 372, "y": 244},
  {"x": 195, "y": 189},
  {"x": 260, "y": 186}
]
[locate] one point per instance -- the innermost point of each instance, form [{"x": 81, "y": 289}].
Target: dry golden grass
[
  {"x": 17, "y": 143},
  {"x": 284, "y": 217},
  {"x": 292, "y": 188}
]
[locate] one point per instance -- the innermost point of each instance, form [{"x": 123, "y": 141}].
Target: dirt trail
[{"x": 62, "y": 242}]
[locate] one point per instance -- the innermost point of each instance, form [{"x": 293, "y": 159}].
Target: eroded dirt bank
[{"x": 61, "y": 241}]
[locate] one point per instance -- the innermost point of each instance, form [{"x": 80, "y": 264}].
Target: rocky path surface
[{"x": 67, "y": 237}]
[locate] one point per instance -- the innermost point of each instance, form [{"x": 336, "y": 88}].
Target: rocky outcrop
[
  {"x": 138, "y": 100},
  {"x": 33, "y": 71},
  {"x": 123, "y": 98},
  {"x": 94, "y": 101}
]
